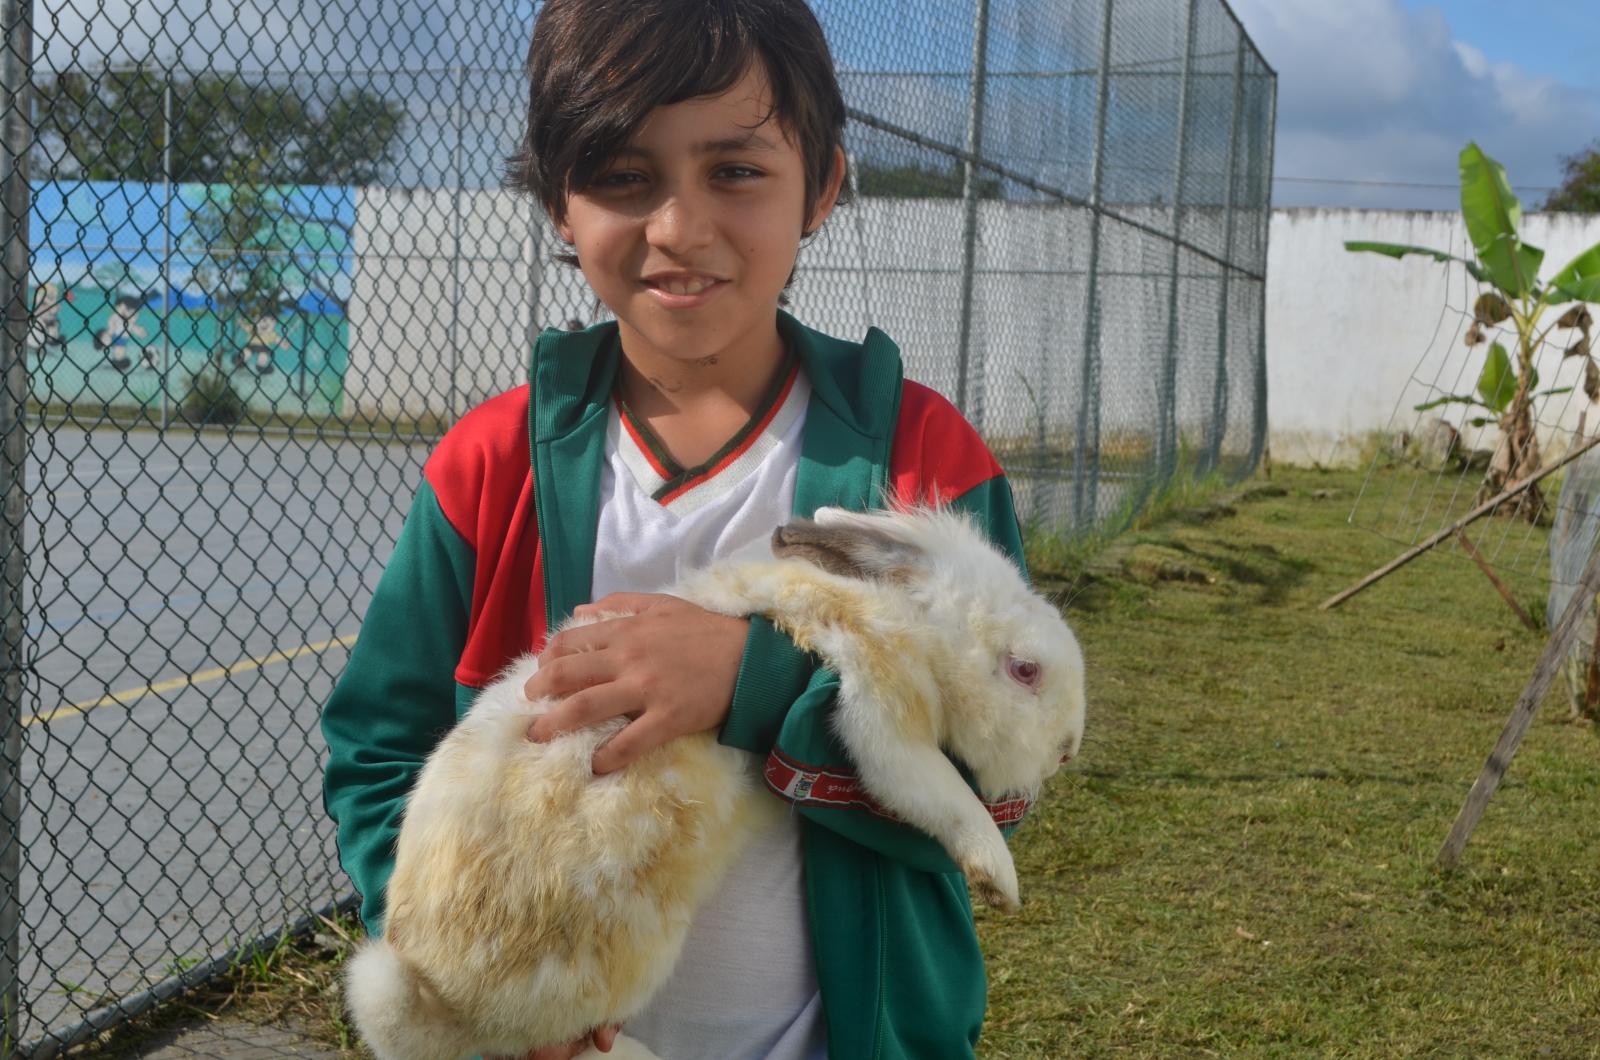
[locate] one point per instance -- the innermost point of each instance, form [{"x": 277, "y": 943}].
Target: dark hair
[{"x": 597, "y": 68}]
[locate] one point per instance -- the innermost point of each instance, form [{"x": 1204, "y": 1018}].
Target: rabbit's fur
[{"x": 533, "y": 901}]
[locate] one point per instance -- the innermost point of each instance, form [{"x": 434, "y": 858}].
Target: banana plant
[{"x": 1518, "y": 300}]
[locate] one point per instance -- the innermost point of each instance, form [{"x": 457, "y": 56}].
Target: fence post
[
  {"x": 1086, "y": 453},
  {"x": 1167, "y": 440},
  {"x": 969, "y": 221},
  {"x": 455, "y": 259},
  {"x": 1219, "y": 397},
  {"x": 16, "y": 85},
  {"x": 1258, "y": 437},
  {"x": 166, "y": 249}
]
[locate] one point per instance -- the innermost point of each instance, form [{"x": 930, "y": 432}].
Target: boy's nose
[{"x": 679, "y": 224}]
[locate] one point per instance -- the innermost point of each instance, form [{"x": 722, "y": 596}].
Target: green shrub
[{"x": 212, "y": 399}]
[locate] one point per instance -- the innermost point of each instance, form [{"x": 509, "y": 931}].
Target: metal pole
[
  {"x": 166, "y": 251},
  {"x": 455, "y": 258},
  {"x": 969, "y": 220},
  {"x": 1259, "y": 427},
  {"x": 1219, "y": 397},
  {"x": 859, "y": 206},
  {"x": 1086, "y": 454},
  {"x": 1167, "y": 444},
  {"x": 16, "y": 87}
]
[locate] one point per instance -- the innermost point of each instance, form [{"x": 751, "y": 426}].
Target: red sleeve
[
  {"x": 481, "y": 473},
  {"x": 937, "y": 455}
]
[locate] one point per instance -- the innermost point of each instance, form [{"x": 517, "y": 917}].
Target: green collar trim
[
  {"x": 844, "y": 460},
  {"x": 676, "y": 477},
  {"x": 573, "y": 373}
]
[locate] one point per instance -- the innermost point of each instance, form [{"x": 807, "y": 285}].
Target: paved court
[
  {"x": 230, "y": 1039},
  {"x": 190, "y": 602}
]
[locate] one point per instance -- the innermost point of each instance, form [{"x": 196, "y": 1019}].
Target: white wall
[
  {"x": 1354, "y": 341},
  {"x": 434, "y": 329},
  {"x": 892, "y": 263}
]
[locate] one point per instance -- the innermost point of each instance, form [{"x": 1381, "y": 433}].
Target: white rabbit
[{"x": 533, "y": 901}]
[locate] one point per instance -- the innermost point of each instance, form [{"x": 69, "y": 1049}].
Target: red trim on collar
[{"x": 751, "y": 439}]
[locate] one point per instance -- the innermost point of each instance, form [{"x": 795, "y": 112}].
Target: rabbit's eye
[{"x": 1022, "y": 671}]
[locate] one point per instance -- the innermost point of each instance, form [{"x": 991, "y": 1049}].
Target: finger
[
  {"x": 569, "y": 674},
  {"x": 627, "y": 603},
  {"x": 635, "y": 741},
  {"x": 581, "y": 710},
  {"x": 606, "y": 1037},
  {"x": 579, "y": 638}
]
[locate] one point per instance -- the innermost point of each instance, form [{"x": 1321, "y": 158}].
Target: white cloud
[{"x": 1371, "y": 91}]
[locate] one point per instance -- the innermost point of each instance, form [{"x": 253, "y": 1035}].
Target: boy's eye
[
  {"x": 618, "y": 179},
  {"x": 738, "y": 172}
]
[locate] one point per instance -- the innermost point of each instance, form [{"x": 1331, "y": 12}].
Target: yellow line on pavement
[{"x": 245, "y": 665}]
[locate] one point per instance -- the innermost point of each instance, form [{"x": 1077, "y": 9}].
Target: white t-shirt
[{"x": 745, "y": 987}]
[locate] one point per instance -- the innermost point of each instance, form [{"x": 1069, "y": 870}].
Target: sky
[
  {"x": 1387, "y": 92},
  {"x": 1376, "y": 97}
]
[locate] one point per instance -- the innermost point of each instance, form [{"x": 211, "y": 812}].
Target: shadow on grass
[{"x": 1184, "y": 776}]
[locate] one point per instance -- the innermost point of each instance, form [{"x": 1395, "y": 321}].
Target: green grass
[
  {"x": 293, "y": 983},
  {"x": 1240, "y": 862}
]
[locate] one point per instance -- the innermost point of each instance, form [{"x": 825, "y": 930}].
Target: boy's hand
[
  {"x": 669, "y": 665},
  {"x": 602, "y": 1039}
]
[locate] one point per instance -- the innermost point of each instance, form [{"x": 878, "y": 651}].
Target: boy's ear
[{"x": 830, "y": 193}]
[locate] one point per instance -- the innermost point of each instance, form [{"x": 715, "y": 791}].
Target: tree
[
  {"x": 258, "y": 251},
  {"x": 110, "y": 125},
  {"x": 919, "y": 182},
  {"x": 1580, "y": 191}
]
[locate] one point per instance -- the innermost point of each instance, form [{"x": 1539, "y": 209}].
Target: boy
[{"x": 684, "y": 149}]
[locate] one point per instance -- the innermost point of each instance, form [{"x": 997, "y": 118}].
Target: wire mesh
[
  {"x": 257, "y": 259},
  {"x": 1446, "y": 452}
]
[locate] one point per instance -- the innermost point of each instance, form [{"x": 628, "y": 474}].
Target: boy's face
[{"x": 690, "y": 234}]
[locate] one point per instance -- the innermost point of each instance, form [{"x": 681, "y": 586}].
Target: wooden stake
[
  {"x": 1591, "y": 685},
  {"x": 1466, "y": 520},
  {"x": 1555, "y": 650},
  {"x": 1494, "y": 579}
]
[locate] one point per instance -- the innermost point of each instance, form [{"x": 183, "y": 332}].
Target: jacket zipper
[
  {"x": 883, "y": 972},
  {"x": 538, "y": 511}
]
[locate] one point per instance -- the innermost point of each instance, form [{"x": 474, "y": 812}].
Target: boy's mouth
[
  {"x": 683, "y": 290},
  {"x": 682, "y": 283}
]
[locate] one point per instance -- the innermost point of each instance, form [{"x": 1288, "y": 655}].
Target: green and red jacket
[{"x": 498, "y": 549}]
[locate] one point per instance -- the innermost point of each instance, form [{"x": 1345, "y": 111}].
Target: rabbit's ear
[{"x": 848, "y": 544}]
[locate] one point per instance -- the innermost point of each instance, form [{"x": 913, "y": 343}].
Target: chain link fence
[{"x": 255, "y": 262}]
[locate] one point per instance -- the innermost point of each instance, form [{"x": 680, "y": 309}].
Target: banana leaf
[
  {"x": 1400, "y": 250},
  {"x": 1493, "y": 216},
  {"x": 1579, "y": 281},
  {"x": 1498, "y": 383}
]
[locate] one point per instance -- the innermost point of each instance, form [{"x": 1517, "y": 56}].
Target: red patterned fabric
[{"x": 815, "y": 786}]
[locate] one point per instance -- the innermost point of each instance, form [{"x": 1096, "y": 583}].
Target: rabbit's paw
[{"x": 991, "y": 872}]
